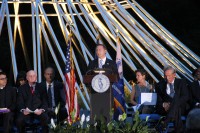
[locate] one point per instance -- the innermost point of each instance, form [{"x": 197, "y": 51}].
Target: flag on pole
[
  {"x": 71, "y": 93},
  {"x": 118, "y": 88}
]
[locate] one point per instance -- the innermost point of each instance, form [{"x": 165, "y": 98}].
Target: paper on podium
[{"x": 148, "y": 98}]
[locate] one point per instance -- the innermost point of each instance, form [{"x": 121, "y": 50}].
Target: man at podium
[
  {"x": 102, "y": 62},
  {"x": 102, "y": 72}
]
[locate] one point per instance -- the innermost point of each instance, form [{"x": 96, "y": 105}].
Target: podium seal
[{"x": 100, "y": 83}]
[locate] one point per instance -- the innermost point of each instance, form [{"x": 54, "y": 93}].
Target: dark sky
[{"x": 180, "y": 17}]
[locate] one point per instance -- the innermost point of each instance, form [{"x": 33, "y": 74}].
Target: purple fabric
[{"x": 4, "y": 111}]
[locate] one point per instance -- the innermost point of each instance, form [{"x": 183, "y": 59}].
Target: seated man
[
  {"x": 55, "y": 95},
  {"x": 172, "y": 95},
  {"x": 195, "y": 91},
  {"x": 31, "y": 103},
  {"x": 7, "y": 103}
]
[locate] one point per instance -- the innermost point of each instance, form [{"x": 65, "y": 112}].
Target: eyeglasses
[{"x": 3, "y": 79}]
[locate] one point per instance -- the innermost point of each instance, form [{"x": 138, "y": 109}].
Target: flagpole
[{"x": 71, "y": 72}]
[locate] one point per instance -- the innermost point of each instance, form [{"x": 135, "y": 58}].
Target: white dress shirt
[
  {"x": 103, "y": 61},
  {"x": 168, "y": 87}
]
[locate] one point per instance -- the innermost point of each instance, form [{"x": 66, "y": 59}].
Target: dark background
[{"x": 180, "y": 17}]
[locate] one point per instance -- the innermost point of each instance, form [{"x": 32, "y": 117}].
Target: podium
[{"x": 101, "y": 102}]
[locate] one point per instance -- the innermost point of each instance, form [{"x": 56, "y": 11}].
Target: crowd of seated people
[
  {"x": 175, "y": 97},
  {"x": 30, "y": 100}
]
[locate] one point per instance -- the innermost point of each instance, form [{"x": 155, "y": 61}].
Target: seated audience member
[
  {"x": 7, "y": 103},
  {"x": 55, "y": 95},
  {"x": 195, "y": 91},
  {"x": 172, "y": 95},
  {"x": 142, "y": 86},
  {"x": 192, "y": 121},
  {"x": 21, "y": 79},
  {"x": 31, "y": 103}
]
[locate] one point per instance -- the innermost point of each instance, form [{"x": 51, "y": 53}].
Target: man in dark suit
[
  {"x": 55, "y": 95},
  {"x": 100, "y": 104},
  {"x": 195, "y": 91},
  {"x": 31, "y": 103},
  {"x": 7, "y": 103},
  {"x": 172, "y": 95},
  {"x": 102, "y": 61}
]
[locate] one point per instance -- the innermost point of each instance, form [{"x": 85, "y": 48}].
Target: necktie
[
  {"x": 171, "y": 90},
  {"x": 32, "y": 90},
  {"x": 100, "y": 63},
  {"x": 49, "y": 96}
]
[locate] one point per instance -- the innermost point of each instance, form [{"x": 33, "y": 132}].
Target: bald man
[{"x": 31, "y": 103}]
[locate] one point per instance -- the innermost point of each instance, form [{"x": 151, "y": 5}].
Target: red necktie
[{"x": 32, "y": 90}]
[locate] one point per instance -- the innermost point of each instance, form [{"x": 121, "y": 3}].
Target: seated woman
[{"x": 142, "y": 86}]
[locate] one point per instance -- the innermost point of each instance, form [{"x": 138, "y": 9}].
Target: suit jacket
[
  {"x": 32, "y": 101},
  {"x": 59, "y": 93},
  {"x": 195, "y": 93},
  {"x": 180, "y": 98},
  {"x": 10, "y": 99},
  {"x": 109, "y": 64}
]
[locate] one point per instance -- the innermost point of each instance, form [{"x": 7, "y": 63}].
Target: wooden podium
[{"x": 101, "y": 104}]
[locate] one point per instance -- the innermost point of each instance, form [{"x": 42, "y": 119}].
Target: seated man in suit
[
  {"x": 7, "y": 103},
  {"x": 55, "y": 95},
  {"x": 31, "y": 103},
  {"x": 102, "y": 61},
  {"x": 172, "y": 95},
  {"x": 195, "y": 91}
]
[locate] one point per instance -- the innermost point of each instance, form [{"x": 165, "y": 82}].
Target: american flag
[{"x": 71, "y": 95}]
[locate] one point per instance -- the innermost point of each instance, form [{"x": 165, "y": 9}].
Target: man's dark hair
[
  {"x": 49, "y": 67},
  {"x": 192, "y": 121},
  {"x": 2, "y": 73},
  {"x": 21, "y": 76},
  {"x": 101, "y": 45}
]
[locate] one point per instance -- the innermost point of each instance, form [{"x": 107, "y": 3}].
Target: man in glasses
[{"x": 7, "y": 103}]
